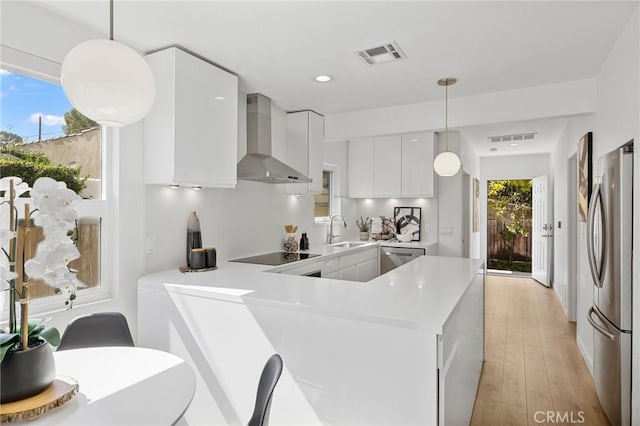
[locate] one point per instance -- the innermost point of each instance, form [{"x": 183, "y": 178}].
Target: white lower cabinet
[
  {"x": 460, "y": 356},
  {"x": 361, "y": 266},
  {"x": 367, "y": 270},
  {"x": 350, "y": 273}
]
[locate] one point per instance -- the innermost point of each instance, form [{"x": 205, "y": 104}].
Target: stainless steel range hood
[{"x": 258, "y": 165}]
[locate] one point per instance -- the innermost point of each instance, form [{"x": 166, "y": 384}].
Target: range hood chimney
[{"x": 258, "y": 165}]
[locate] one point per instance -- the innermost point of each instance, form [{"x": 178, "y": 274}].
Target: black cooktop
[{"x": 277, "y": 258}]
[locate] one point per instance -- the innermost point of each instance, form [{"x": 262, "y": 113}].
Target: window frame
[
  {"x": 47, "y": 70},
  {"x": 334, "y": 193}
]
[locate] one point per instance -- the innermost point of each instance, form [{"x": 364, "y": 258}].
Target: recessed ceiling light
[
  {"x": 221, "y": 98},
  {"x": 323, "y": 78},
  {"x": 514, "y": 144}
]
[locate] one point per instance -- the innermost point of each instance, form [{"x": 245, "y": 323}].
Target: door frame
[
  {"x": 572, "y": 238},
  {"x": 466, "y": 214}
]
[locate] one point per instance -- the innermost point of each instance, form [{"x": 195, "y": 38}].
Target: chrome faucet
[{"x": 331, "y": 234}]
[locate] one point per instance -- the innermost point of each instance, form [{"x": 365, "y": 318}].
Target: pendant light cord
[
  {"x": 111, "y": 20},
  {"x": 446, "y": 114}
]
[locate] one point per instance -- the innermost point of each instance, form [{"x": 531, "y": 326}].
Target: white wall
[
  {"x": 615, "y": 122},
  {"x": 450, "y": 203},
  {"x": 565, "y": 148},
  {"x": 471, "y": 166},
  {"x": 237, "y": 222},
  {"x": 563, "y": 99},
  {"x": 18, "y": 19}
]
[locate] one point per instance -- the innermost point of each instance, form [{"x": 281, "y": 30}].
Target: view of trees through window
[
  {"x": 322, "y": 201},
  {"x": 43, "y": 135},
  {"x": 509, "y": 214}
]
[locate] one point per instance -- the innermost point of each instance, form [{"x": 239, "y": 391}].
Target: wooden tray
[
  {"x": 61, "y": 390},
  {"x": 185, "y": 269}
]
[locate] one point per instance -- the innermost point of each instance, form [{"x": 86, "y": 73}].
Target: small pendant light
[
  {"x": 447, "y": 163},
  {"x": 108, "y": 81}
]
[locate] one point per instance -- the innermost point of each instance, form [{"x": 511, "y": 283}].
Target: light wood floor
[{"x": 532, "y": 360}]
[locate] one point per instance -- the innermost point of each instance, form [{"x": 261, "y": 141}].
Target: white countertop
[{"x": 420, "y": 294}]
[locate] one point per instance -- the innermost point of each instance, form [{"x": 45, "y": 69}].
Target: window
[
  {"x": 42, "y": 135},
  {"x": 322, "y": 201},
  {"x": 327, "y": 202}
]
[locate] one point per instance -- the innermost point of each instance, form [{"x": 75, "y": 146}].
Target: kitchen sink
[{"x": 350, "y": 244}]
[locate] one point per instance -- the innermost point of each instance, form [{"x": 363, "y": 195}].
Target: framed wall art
[
  {"x": 476, "y": 205},
  {"x": 408, "y": 221},
  {"x": 585, "y": 175}
]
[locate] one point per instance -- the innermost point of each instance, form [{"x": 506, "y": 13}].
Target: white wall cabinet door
[
  {"x": 361, "y": 154},
  {"x": 305, "y": 139},
  {"x": 191, "y": 132},
  {"x": 316, "y": 152},
  {"x": 417, "y": 164},
  {"x": 387, "y": 166}
]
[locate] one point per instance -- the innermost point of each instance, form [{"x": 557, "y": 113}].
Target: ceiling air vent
[
  {"x": 519, "y": 137},
  {"x": 388, "y": 52}
]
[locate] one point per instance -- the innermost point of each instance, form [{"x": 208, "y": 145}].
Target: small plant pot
[
  {"x": 26, "y": 373},
  {"x": 364, "y": 236}
]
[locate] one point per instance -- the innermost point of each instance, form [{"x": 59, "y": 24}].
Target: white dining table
[{"x": 122, "y": 386}]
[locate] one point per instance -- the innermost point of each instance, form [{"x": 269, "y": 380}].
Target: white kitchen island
[{"x": 404, "y": 348}]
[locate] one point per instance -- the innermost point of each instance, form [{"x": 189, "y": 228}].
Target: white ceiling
[
  {"x": 547, "y": 131},
  {"x": 276, "y": 48}
]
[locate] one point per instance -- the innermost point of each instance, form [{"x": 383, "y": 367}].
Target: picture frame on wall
[
  {"x": 476, "y": 205},
  {"x": 585, "y": 175},
  {"x": 407, "y": 220}
]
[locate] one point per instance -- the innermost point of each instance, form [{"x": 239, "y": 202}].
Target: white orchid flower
[
  {"x": 19, "y": 186},
  {"x": 34, "y": 268},
  {"x": 6, "y": 274}
]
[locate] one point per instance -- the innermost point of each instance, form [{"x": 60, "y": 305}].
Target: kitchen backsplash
[
  {"x": 238, "y": 222},
  {"x": 370, "y": 207}
]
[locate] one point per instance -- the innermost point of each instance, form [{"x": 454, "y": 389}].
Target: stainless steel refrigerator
[{"x": 609, "y": 247}]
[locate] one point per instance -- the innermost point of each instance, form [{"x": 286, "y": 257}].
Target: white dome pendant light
[
  {"x": 108, "y": 81},
  {"x": 447, "y": 163}
]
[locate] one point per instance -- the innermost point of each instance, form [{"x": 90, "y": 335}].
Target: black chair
[
  {"x": 101, "y": 329},
  {"x": 268, "y": 380}
]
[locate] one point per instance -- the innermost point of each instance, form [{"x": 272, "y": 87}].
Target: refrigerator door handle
[
  {"x": 596, "y": 265},
  {"x": 604, "y": 329}
]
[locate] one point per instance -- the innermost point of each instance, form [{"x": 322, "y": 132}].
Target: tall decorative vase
[{"x": 26, "y": 373}]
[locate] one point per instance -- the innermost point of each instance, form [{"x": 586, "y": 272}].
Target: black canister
[
  {"x": 198, "y": 258},
  {"x": 211, "y": 257}
]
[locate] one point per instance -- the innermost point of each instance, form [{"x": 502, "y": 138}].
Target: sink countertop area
[{"x": 424, "y": 292}]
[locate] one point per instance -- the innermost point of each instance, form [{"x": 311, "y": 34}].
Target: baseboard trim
[
  {"x": 562, "y": 304},
  {"x": 585, "y": 355}
]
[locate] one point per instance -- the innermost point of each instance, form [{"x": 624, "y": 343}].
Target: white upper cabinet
[
  {"x": 417, "y": 164},
  {"x": 305, "y": 139},
  {"x": 191, "y": 133},
  {"x": 361, "y": 163},
  {"x": 392, "y": 166},
  {"x": 387, "y": 166}
]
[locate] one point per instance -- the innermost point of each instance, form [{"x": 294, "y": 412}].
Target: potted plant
[
  {"x": 364, "y": 226},
  {"x": 26, "y": 362}
]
